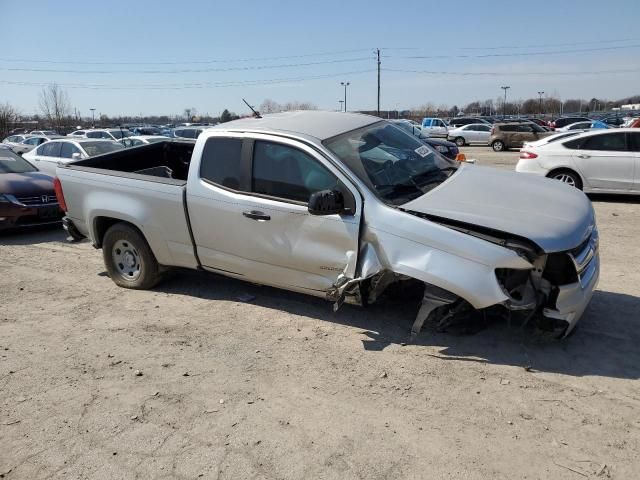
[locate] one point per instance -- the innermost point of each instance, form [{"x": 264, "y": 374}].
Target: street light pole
[
  {"x": 93, "y": 118},
  {"x": 504, "y": 104},
  {"x": 345, "y": 85},
  {"x": 540, "y": 94}
]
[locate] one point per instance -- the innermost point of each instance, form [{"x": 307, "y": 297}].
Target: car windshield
[
  {"x": 49, "y": 132},
  {"x": 394, "y": 164},
  {"x": 120, "y": 133},
  {"x": 12, "y": 163},
  {"x": 98, "y": 148}
]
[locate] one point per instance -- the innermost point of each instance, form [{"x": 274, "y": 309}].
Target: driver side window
[{"x": 285, "y": 172}]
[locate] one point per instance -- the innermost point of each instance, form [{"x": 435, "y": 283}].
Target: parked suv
[{"x": 513, "y": 135}]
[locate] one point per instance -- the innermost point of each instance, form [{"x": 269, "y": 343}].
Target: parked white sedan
[
  {"x": 472, "y": 133},
  {"x": 47, "y": 155},
  {"x": 138, "y": 140},
  {"x": 596, "y": 161}
]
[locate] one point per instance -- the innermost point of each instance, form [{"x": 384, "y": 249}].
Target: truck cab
[{"x": 435, "y": 127}]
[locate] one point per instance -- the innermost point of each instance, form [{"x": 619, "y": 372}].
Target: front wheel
[
  {"x": 460, "y": 141},
  {"x": 129, "y": 259},
  {"x": 498, "y": 146}
]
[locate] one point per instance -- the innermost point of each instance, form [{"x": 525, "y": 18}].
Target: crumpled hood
[
  {"x": 30, "y": 183},
  {"x": 549, "y": 213}
]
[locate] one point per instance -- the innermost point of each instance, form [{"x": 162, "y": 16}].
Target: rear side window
[
  {"x": 508, "y": 128},
  {"x": 635, "y": 141},
  {"x": 607, "y": 142},
  {"x": 68, "y": 149},
  {"x": 285, "y": 172},
  {"x": 51, "y": 149},
  {"x": 221, "y": 162}
]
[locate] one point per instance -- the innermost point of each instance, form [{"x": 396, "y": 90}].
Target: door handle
[
  {"x": 582, "y": 155},
  {"x": 256, "y": 215}
]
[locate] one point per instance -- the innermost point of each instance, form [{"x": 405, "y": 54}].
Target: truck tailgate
[{"x": 155, "y": 205}]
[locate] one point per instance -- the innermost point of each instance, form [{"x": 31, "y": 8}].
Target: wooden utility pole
[{"x": 378, "y": 53}]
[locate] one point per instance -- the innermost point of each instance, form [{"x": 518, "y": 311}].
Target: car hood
[
  {"x": 553, "y": 215},
  {"x": 30, "y": 183}
]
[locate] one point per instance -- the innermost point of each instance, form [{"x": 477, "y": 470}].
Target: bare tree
[
  {"x": 8, "y": 118},
  {"x": 54, "y": 105},
  {"x": 271, "y": 106},
  {"x": 190, "y": 113}
]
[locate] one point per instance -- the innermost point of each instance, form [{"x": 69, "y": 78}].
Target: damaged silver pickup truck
[{"x": 340, "y": 206}]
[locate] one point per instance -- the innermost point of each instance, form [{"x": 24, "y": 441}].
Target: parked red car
[
  {"x": 27, "y": 196},
  {"x": 635, "y": 123}
]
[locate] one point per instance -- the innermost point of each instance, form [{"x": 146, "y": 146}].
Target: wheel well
[
  {"x": 102, "y": 224},
  {"x": 566, "y": 169}
]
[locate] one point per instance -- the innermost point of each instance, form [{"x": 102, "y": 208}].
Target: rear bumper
[
  {"x": 71, "y": 228},
  {"x": 530, "y": 166}
]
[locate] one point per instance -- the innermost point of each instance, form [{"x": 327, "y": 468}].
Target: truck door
[{"x": 248, "y": 208}]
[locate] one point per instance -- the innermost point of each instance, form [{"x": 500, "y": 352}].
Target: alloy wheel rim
[
  {"x": 565, "y": 178},
  {"x": 126, "y": 259}
]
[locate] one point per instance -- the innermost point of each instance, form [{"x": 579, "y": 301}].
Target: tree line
[
  {"x": 56, "y": 112},
  {"x": 549, "y": 105}
]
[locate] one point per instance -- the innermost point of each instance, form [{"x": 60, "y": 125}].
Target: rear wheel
[
  {"x": 129, "y": 259},
  {"x": 498, "y": 146},
  {"x": 460, "y": 141},
  {"x": 567, "y": 176}
]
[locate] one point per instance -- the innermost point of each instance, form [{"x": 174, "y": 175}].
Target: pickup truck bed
[
  {"x": 168, "y": 159},
  {"x": 144, "y": 185}
]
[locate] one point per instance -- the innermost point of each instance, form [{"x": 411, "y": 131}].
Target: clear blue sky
[{"x": 142, "y": 34}]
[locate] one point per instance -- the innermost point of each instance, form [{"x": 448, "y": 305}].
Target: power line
[
  {"x": 517, "y": 54},
  {"x": 178, "y": 86},
  {"x": 539, "y": 45},
  {"x": 193, "y": 70},
  {"x": 315, "y": 54},
  {"x": 191, "y": 62},
  {"x": 508, "y": 74}
]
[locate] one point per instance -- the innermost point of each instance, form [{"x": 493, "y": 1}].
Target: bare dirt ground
[{"x": 280, "y": 387}]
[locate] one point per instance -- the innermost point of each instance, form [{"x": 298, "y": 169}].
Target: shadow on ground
[
  {"x": 610, "y": 198},
  {"x": 605, "y": 343},
  {"x": 33, "y": 235}
]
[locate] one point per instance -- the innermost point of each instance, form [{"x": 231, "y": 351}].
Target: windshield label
[{"x": 422, "y": 151}]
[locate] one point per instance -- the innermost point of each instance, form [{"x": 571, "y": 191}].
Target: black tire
[
  {"x": 128, "y": 258},
  {"x": 460, "y": 141},
  {"x": 567, "y": 176},
  {"x": 498, "y": 146}
]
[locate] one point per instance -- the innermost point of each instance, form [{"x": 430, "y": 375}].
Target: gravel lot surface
[{"x": 189, "y": 381}]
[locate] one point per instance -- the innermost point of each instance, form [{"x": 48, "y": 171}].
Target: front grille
[
  {"x": 584, "y": 257},
  {"x": 35, "y": 200}
]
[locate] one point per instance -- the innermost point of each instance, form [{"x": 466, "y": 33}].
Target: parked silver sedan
[
  {"x": 32, "y": 142},
  {"x": 472, "y": 133}
]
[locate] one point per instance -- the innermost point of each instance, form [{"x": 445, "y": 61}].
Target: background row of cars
[{"x": 507, "y": 133}]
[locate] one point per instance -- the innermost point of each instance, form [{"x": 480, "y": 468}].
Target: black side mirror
[{"x": 326, "y": 202}]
